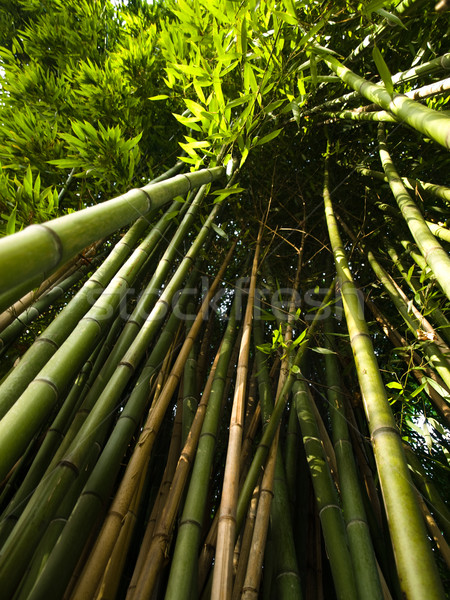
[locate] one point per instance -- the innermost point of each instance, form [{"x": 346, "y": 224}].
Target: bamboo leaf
[
  {"x": 391, "y": 18},
  {"x": 394, "y": 385},
  {"x": 383, "y": 70},
  {"x": 268, "y": 137},
  {"x": 159, "y": 97},
  {"x": 321, "y": 350},
  {"x": 11, "y": 223},
  {"x": 219, "y": 231}
]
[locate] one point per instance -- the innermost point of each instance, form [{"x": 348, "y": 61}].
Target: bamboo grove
[{"x": 224, "y": 300}]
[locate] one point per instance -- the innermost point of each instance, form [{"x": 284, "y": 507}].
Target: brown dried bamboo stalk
[
  {"x": 209, "y": 545},
  {"x": 246, "y": 545},
  {"x": 169, "y": 471},
  {"x": 112, "y": 575},
  {"x": 254, "y": 569},
  {"x": 139, "y": 459},
  {"x": 226, "y": 531},
  {"x": 157, "y": 552}
]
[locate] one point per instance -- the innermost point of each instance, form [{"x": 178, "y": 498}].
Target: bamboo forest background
[{"x": 224, "y": 285}]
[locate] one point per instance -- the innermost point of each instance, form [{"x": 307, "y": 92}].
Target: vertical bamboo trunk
[
  {"x": 222, "y": 579},
  {"x": 330, "y": 513},
  {"x": 418, "y": 574},
  {"x": 253, "y": 575},
  {"x": 358, "y": 533}
]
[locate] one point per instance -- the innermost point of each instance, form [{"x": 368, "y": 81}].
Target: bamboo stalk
[
  {"x": 330, "y": 513},
  {"x": 183, "y": 569},
  {"x": 40, "y": 249},
  {"x": 141, "y": 312},
  {"x": 360, "y": 544},
  {"x": 435, "y": 532},
  {"x": 159, "y": 546},
  {"x": 32, "y": 409},
  {"x": 431, "y": 123},
  {"x": 18, "y": 325},
  {"x": 112, "y": 525},
  {"x": 418, "y": 574},
  {"x": 397, "y": 340},
  {"x": 246, "y": 546},
  {"x": 427, "y": 304},
  {"x": 164, "y": 488},
  {"x": 383, "y": 116},
  {"x": 429, "y": 490},
  {"x": 432, "y": 251},
  {"x": 439, "y": 191},
  {"x": 439, "y": 231},
  {"x": 96, "y": 492},
  {"x": 222, "y": 578},
  {"x": 9, "y": 315},
  {"x": 61, "y": 327},
  {"x": 253, "y": 575},
  {"x": 441, "y": 62}
]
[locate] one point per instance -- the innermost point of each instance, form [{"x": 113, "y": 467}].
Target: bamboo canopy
[{"x": 224, "y": 300}]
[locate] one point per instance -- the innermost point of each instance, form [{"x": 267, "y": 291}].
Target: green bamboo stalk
[
  {"x": 9, "y": 315},
  {"x": 190, "y": 398},
  {"x": 39, "y": 249},
  {"x": 16, "y": 328},
  {"x": 143, "y": 307},
  {"x": 428, "y": 304},
  {"x": 330, "y": 513},
  {"x": 62, "y": 561},
  {"x": 436, "y": 257},
  {"x": 439, "y": 231},
  {"x": 355, "y": 115},
  {"x": 57, "y": 431},
  {"x": 438, "y": 87},
  {"x": 429, "y": 490},
  {"x": 56, "y": 484},
  {"x": 440, "y": 191},
  {"x": 431, "y": 123},
  {"x": 46, "y": 391},
  {"x": 60, "y": 328},
  {"x": 54, "y": 529},
  {"x": 441, "y": 62},
  {"x": 417, "y": 572},
  {"x": 358, "y": 533}
]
